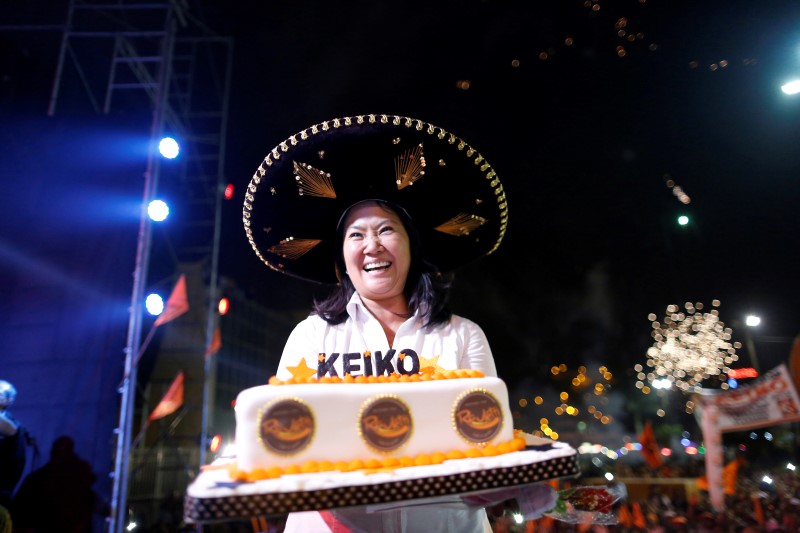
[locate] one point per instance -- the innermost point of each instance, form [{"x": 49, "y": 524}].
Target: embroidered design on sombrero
[
  {"x": 305, "y": 182},
  {"x": 409, "y": 167},
  {"x": 461, "y": 224},
  {"x": 312, "y": 181},
  {"x": 292, "y": 248}
]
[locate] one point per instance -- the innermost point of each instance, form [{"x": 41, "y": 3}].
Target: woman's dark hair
[{"x": 426, "y": 289}]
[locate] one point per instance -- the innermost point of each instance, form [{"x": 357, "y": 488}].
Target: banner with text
[{"x": 770, "y": 400}]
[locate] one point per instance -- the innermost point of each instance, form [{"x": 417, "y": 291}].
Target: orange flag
[
  {"x": 216, "y": 342},
  {"x": 624, "y": 516},
  {"x": 650, "y": 451},
  {"x": 758, "y": 510},
  {"x": 171, "y": 401},
  {"x": 638, "y": 516},
  {"x": 546, "y": 523},
  {"x": 729, "y": 475},
  {"x": 177, "y": 304}
]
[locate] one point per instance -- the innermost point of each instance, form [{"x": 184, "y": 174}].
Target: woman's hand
[{"x": 533, "y": 500}]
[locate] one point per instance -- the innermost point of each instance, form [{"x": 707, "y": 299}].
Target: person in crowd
[
  {"x": 57, "y": 496},
  {"x": 12, "y": 445}
]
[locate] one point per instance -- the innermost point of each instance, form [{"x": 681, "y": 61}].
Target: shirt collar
[
  {"x": 354, "y": 304},
  {"x": 356, "y": 308}
]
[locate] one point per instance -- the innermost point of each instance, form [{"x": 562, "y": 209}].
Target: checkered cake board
[{"x": 213, "y": 497}]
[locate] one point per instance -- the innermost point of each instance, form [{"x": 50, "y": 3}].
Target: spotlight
[
  {"x": 792, "y": 87},
  {"x": 752, "y": 320},
  {"x": 683, "y": 220},
  {"x": 158, "y": 210},
  {"x": 154, "y": 304},
  {"x": 169, "y": 148}
]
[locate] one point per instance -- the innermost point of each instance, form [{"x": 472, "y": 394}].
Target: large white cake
[
  {"x": 333, "y": 443},
  {"x": 332, "y": 426}
]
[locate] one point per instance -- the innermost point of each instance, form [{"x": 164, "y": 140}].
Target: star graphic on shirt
[
  {"x": 301, "y": 371},
  {"x": 429, "y": 366}
]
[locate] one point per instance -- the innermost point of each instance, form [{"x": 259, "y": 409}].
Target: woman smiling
[{"x": 383, "y": 207}]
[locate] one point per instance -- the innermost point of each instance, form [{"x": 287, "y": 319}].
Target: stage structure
[{"x": 159, "y": 58}]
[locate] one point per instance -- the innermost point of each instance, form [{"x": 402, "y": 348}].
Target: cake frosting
[
  {"x": 343, "y": 424},
  {"x": 308, "y": 444}
]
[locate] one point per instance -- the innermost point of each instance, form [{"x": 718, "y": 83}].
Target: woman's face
[{"x": 377, "y": 253}]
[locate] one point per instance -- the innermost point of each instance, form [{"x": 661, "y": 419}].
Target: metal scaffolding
[{"x": 156, "y": 57}]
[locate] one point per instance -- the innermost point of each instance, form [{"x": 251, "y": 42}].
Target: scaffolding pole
[{"x": 128, "y": 389}]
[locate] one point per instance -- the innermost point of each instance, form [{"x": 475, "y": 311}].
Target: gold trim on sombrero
[
  {"x": 313, "y": 181},
  {"x": 292, "y": 248},
  {"x": 409, "y": 167},
  {"x": 461, "y": 224},
  {"x": 261, "y": 177}
]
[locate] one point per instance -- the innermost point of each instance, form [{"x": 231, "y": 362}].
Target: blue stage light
[
  {"x": 791, "y": 87},
  {"x": 169, "y": 148},
  {"x": 154, "y": 304},
  {"x": 158, "y": 210}
]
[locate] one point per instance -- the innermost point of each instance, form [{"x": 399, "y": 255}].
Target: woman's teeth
[{"x": 376, "y": 266}]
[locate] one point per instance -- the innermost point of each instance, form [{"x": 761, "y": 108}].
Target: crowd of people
[{"x": 665, "y": 500}]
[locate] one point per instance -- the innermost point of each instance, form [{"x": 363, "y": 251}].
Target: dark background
[{"x": 583, "y": 141}]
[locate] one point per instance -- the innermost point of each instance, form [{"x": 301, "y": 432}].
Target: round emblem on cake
[
  {"x": 477, "y": 416},
  {"x": 385, "y": 423},
  {"x": 286, "y": 427}
]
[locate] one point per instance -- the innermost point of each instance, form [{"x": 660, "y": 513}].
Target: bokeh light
[
  {"x": 223, "y": 306},
  {"x": 689, "y": 346}
]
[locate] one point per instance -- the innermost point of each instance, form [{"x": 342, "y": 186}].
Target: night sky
[{"x": 586, "y": 110}]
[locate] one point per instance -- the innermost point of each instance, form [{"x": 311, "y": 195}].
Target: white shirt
[{"x": 458, "y": 344}]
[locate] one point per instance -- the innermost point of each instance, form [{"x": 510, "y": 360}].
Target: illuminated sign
[{"x": 739, "y": 373}]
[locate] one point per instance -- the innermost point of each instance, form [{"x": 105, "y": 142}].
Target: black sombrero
[{"x": 300, "y": 190}]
